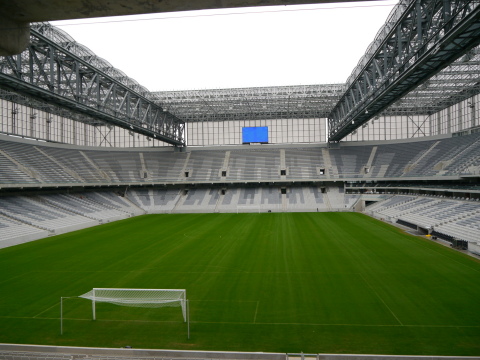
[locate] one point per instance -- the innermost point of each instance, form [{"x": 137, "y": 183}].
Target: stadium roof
[
  {"x": 458, "y": 82},
  {"x": 280, "y": 102}
]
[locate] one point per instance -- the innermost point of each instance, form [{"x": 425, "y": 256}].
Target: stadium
[{"x": 269, "y": 223}]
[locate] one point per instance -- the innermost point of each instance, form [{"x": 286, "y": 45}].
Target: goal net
[
  {"x": 147, "y": 298},
  {"x": 248, "y": 208}
]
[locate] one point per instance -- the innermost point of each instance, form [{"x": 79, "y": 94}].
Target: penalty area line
[
  {"x": 381, "y": 299},
  {"x": 44, "y": 311},
  {"x": 247, "y": 323},
  {"x": 89, "y": 319}
]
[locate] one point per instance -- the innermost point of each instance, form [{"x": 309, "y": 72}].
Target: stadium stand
[
  {"x": 205, "y": 165},
  {"x": 82, "y": 205},
  {"x": 349, "y": 161},
  {"x": 305, "y": 199},
  {"x": 336, "y": 197},
  {"x": 115, "y": 200},
  {"x": 396, "y": 160},
  {"x": 77, "y": 162},
  {"x": 459, "y": 219},
  {"x": 229, "y": 201},
  {"x": 254, "y": 165},
  {"x": 303, "y": 163},
  {"x": 153, "y": 201},
  {"x": 166, "y": 166},
  {"x": 198, "y": 200},
  {"x": 28, "y": 163},
  {"x": 34, "y": 163},
  {"x": 13, "y": 172},
  {"x": 271, "y": 199},
  {"x": 234, "y": 179},
  {"x": 35, "y": 212},
  {"x": 350, "y": 200},
  {"x": 14, "y": 232}
]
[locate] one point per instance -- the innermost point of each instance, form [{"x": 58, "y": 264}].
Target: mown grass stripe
[{"x": 312, "y": 282}]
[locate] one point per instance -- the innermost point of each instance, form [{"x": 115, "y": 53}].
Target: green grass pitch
[{"x": 311, "y": 282}]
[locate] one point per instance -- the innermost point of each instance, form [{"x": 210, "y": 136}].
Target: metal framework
[
  {"x": 57, "y": 70},
  {"x": 50, "y": 108},
  {"x": 420, "y": 38},
  {"x": 425, "y": 58},
  {"x": 457, "y": 82},
  {"x": 260, "y": 103}
]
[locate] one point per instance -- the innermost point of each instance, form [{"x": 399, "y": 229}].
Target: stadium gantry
[
  {"x": 419, "y": 39},
  {"x": 57, "y": 70}
]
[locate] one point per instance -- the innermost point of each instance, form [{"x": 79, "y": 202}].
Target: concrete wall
[{"x": 56, "y": 352}]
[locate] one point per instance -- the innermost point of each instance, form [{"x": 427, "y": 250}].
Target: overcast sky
[{"x": 230, "y": 48}]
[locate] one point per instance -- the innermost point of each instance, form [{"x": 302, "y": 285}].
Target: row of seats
[
  {"x": 42, "y": 163},
  {"x": 458, "y": 219},
  {"x": 22, "y": 216}
]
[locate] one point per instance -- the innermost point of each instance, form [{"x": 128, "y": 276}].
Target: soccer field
[{"x": 273, "y": 282}]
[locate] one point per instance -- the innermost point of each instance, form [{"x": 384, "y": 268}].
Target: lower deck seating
[
  {"x": 198, "y": 200},
  {"x": 26, "y": 218},
  {"x": 458, "y": 219},
  {"x": 153, "y": 201},
  {"x": 13, "y": 232},
  {"x": 34, "y": 212},
  {"x": 305, "y": 198},
  {"x": 82, "y": 205}
]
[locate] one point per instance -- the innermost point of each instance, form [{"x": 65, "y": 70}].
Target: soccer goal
[
  {"x": 248, "y": 208},
  {"x": 147, "y": 298}
]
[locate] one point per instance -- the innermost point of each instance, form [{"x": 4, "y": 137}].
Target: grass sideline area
[{"x": 272, "y": 282}]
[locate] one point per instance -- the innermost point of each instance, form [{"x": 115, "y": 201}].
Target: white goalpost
[{"x": 147, "y": 298}]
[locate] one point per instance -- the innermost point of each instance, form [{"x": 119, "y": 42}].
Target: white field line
[
  {"x": 246, "y": 323},
  {"x": 381, "y": 299},
  {"x": 256, "y": 311},
  {"x": 56, "y": 304}
]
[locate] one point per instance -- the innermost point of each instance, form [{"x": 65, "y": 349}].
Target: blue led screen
[{"x": 257, "y": 134}]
